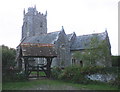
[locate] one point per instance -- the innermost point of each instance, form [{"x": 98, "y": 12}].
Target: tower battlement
[{"x": 34, "y": 23}]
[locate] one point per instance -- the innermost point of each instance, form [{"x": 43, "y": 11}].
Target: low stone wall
[{"x": 102, "y": 77}]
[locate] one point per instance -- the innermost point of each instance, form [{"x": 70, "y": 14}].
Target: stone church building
[{"x": 34, "y": 30}]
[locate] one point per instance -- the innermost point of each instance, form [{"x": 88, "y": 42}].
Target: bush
[
  {"x": 77, "y": 74},
  {"x": 20, "y": 76},
  {"x": 14, "y": 75},
  {"x": 116, "y": 82},
  {"x": 8, "y": 62},
  {"x": 115, "y": 61},
  {"x": 55, "y": 72}
]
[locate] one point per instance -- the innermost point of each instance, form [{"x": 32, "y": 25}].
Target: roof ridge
[
  {"x": 91, "y": 34},
  {"x": 53, "y": 32}
]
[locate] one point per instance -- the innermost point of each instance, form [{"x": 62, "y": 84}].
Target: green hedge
[
  {"x": 56, "y": 71},
  {"x": 14, "y": 75},
  {"x": 77, "y": 74},
  {"x": 116, "y": 61}
]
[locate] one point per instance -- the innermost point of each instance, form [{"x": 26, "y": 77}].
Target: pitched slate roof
[
  {"x": 69, "y": 36},
  {"x": 44, "y": 38},
  {"x": 83, "y": 42}
]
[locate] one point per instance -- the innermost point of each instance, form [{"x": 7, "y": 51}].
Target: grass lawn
[
  {"x": 46, "y": 84},
  {"x": 40, "y": 73}
]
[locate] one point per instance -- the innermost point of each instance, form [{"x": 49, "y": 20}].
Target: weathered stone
[
  {"x": 34, "y": 30},
  {"x": 102, "y": 77}
]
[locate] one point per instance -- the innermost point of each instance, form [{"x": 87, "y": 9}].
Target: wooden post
[
  {"x": 26, "y": 66},
  {"x": 20, "y": 64},
  {"x": 37, "y": 71},
  {"x": 49, "y": 61}
]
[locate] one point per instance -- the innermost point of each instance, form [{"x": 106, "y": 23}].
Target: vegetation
[
  {"x": 116, "y": 61},
  {"x": 47, "y": 84},
  {"x": 8, "y": 57},
  {"x": 77, "y": 74},
  {"x": 116, "y": 65},
  {"x": 56, "y": 71},
  {"x": 8, "y": 62},
  {"x": 98, "y": 50},
  {"x": 9, "y": 72},
  {"x": 73, "y": 75},
  {"x": 40, "y": 73}
]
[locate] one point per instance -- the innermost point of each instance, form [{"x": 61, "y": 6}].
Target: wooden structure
[{"x": 35, "y": 50}]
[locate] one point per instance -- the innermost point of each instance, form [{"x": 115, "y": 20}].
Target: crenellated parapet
[{"x": 34, "y": 22}]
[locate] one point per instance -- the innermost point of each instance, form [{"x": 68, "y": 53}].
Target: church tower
[{"x": 34, "y": 23}]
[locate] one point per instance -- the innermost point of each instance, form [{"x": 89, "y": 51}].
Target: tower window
[{"x": 41, "y": 24}]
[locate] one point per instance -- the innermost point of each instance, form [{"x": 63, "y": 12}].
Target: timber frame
[{"x": 32, "y": 50}]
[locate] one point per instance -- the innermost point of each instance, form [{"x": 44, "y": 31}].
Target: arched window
[
  {"x": 73, "y": 61},
  {"x": 81, "y": 63}
]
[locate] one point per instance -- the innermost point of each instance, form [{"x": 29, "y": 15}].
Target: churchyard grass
[
  {"x": 48, "y": 84},
  {"x": 40, "y": 73}
]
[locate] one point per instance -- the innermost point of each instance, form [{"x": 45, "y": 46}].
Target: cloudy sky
[{"x": 80, "y": 16}]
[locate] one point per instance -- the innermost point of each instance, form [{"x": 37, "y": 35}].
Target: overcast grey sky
[{"x": 79, "y": 16}]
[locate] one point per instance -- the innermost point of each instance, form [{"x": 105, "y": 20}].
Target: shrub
[
  {"x": 14, "y": 75},
  {"x": 8, "y": 62},
  {"x": 74, "y": 74},
  {"x": 116, "y": 82},
  {"x": 77, "y": 74},
  {"x": 55, "y": 72},
  {"x": 20, "y": 76},
  {"x": 115, "y": 61}
]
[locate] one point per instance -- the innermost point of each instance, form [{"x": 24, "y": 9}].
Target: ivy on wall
[{"x": 97, "y": 51}]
